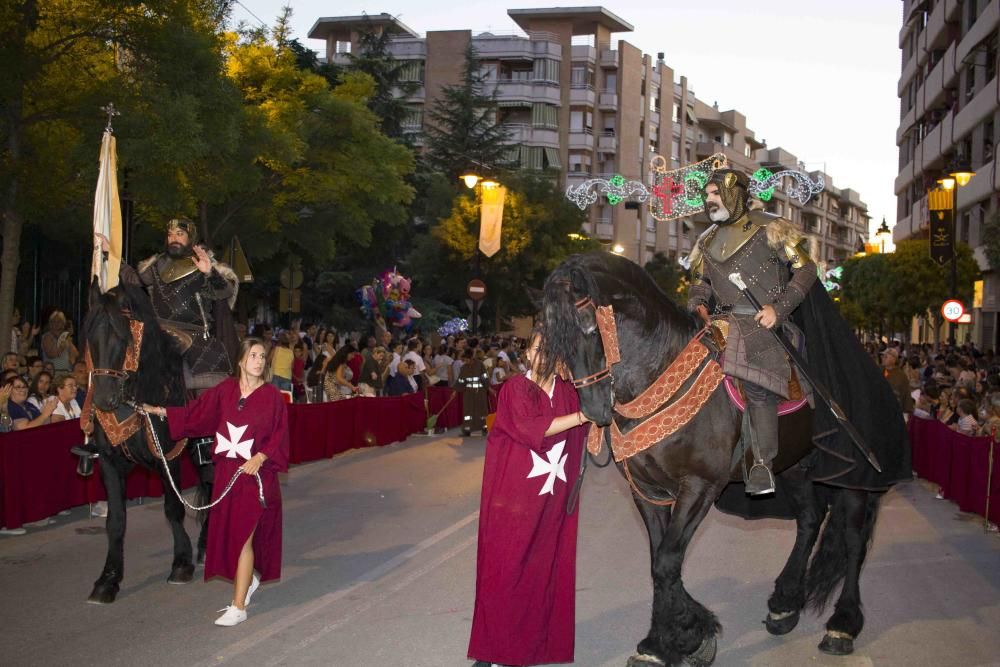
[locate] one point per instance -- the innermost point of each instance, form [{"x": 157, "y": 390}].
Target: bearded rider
[
  {"x": 192, "y": 296},
  {"x": 770, "y": 255}
]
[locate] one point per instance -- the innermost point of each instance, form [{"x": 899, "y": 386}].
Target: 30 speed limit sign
[{"x": 952, "y": 310}]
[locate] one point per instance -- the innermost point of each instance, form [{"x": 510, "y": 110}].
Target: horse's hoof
[
  {"x": 705, "y": 655},
  {"x": 103, "y": 594},
  {"x": 644, "y": 660},
  {"x": 837, "y": 643},
  {"x": 182, "y": 574},
  {"x": 781, "y": 623}
]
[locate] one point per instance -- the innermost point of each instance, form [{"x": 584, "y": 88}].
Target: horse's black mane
[
  {"x": 160, "y": 379},
  {"x": 609, "y": 279}
]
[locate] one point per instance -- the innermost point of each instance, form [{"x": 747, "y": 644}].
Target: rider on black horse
[
  {"x": 769, "y": 253},
  {"x": 192, "y": 295}
]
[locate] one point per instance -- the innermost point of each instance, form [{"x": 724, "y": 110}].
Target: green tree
[
  {"x": 462, "y": 129},
  {"x": 668, "y": 276},
  {"x": 388, "y": 101},
  {"x": 64, "y": 59},
  {"x": 883, "y": 293},
  {"x": 535, "y": 238}
]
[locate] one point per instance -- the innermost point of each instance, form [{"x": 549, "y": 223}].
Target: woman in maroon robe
[
  {"x": 526, "y": 563},
  {"x": 250, "y": 421}
]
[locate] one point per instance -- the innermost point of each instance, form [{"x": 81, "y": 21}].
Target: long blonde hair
[{"x": 245, "y": 346}]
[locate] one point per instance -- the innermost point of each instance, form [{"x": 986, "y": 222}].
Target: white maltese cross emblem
[
  {"x": 233, "y": 445},
  {"x": 554, "y": 467}
]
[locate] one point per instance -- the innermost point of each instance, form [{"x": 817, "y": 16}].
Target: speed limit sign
[{"x": 952, "y": 310}]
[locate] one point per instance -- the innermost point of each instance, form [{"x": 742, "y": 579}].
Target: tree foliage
[
  {"x": 535, "y": 238},
  {"x": 462, "y": 131},
  {"x": 883, "y": 293},
  {"x": 668, "y": 276},
  {"x": 387, "y": 101}
]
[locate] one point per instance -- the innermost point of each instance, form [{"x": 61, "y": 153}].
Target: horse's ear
[
  {"x": 536, "y": 296},
  {"x": 94, "y": 295}
]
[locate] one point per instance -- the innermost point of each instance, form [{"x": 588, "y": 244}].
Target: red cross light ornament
[{"x": 666, "y": 191}]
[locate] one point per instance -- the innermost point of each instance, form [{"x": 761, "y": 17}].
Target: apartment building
[
  {"x": 581, "y": 104},
  {"x": 949, "y": 109}
]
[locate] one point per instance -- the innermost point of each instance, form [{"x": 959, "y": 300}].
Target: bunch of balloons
[
  {"x": 453, "y": 326},
  {"x": 388, "y": 296}
]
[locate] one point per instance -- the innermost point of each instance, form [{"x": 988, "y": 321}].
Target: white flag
[{"x": 107, "y": 217}]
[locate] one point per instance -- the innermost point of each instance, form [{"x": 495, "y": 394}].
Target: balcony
[
  {"x": 608, "y": 101},
  {"x": 609, "y": 57},
  {"x": 506, "y": 47},
  {"x": 525, "y": 133},
  {"x": 944, "y": 75},
  {"x": 980, "y": 30},
  {"x": 528, "y": 90},
  {"x": 978, "y": 108},
  {"x": 581, "y": 140},
  {"x": 607, "y": 143},
  {"x": 654, "y": 118},
  {"x": 583, "y": 52},
  {"x": 605, "y": 230},
  {"x": 582, "y": 93},
  {"x": 404, "y": 48}
]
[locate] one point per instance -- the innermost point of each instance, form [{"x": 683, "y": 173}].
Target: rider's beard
[
  {"x": 719, "y": 214},
  {"x": 178, "y": 251}
]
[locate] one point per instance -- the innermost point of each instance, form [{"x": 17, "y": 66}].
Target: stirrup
[{"x": 759, "y": 486}]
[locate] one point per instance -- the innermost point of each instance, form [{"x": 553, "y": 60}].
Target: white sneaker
[
  {"x": 254, "y": 585},
  {"x": 99, "y": 509},
  {"x": 12, "y": 531},
  {"x": 233, "y": 616}
]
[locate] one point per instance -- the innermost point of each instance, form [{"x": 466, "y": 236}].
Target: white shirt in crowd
[
  {"x": 442, "y": 363},
  {"x": 73, "y": 412},
  {"x": 394, "y": 364},
  {"x": 498, "y": 376},
  {"x": 418, "y": 361}
]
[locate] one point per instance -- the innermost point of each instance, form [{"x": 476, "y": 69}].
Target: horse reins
[
  {"x": 119, "y": 431},
  {"x": 663, "y": 423}
]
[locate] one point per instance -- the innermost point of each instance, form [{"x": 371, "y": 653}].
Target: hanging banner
[
  {"x": 107, "y": 217},
  {"x": 491, "y": 219},
  {"x": 942, "y": 228}
]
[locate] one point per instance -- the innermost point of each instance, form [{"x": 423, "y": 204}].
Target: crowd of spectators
[{"x": 315, "y": 364}]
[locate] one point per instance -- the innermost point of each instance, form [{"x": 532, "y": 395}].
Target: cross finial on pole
[{"x": 111, "y": 111}]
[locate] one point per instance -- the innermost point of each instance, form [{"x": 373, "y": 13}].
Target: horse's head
[
  {"x": 572, "y": 337},
  {"x": 112, "y": 347}
]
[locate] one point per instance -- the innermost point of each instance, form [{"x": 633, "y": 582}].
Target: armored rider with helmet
[
  {"x": 770, "y": 254},
  {"x": 192, "y": 296}
]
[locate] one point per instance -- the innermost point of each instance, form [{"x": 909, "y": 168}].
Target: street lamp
[
  {"x": 957, "y": 177},
  {"x": 471, "y": 180},
  {"x": 618, "y": 249},
  {"x": 882, "y": 234}
]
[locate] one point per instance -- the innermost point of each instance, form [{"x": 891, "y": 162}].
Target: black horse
[
  {"x": 112, "y": 339},
  {"x": 696, "y": 463}
]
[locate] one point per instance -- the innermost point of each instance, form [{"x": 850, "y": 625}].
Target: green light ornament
[
  {"x": 617, "y": 181},
  {"x": 762, "y": 175},
  {"x": 699, "y": 179}
]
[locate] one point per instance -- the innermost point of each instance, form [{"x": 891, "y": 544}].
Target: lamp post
[
  {"x": 882, "y": 233},
  {"x": 957, "y": 177},
  {"x": 471, "y": 180}
]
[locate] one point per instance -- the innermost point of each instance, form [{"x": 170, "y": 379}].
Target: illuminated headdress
[{"x": 184, "y": 225}]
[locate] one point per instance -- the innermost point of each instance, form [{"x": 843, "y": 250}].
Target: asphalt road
[{"x": 379, "y": 566}]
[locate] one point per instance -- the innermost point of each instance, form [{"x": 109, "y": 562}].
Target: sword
[{"x": 821, "y": 391}]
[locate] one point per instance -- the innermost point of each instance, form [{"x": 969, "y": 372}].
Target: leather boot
[{"x": 764, "y": 446}]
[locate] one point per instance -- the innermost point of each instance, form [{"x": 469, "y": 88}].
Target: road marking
[{"x": 368, "y": 578}]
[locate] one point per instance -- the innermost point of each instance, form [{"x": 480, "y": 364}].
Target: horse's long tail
[{"x": 829, "y": 564}]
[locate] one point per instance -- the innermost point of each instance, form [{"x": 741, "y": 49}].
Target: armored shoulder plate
[{"x": 175, "y": 269}]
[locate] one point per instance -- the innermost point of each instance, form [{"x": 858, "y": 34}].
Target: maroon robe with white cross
[
  {"x": 259, "y": 425},
  {"x": 526, "y": 562}
]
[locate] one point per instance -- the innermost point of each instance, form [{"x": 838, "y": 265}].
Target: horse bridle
[
  {"x": 604, "y": 316},
  {"x": 129, "y": 365}
]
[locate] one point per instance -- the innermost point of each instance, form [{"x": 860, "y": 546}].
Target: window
[
  {"x": 582, "y": 76},
  {"x": 413, "y": 119},
  {"x": 488, "y": 71},
  {"x": 544, "y": 115},
  {"x": 727, "y": 139},
  {"x": 970, "y": 82},
  {"x": 412, "y": 71},
  {"x": 579, "y": 163},
  {"x": 576, "y": 121},
  {"x": 747, "y": 151},
  {"x": 609, "y": 125},
  {"x": 654, "y": 99},
  {"x": 677, "y": 113},
  {"x": 988, "y": 141},
  {"x": 611, "y": 82},
  {"x": 531, "y": 157},
  {"x": 546, "y": 69}
]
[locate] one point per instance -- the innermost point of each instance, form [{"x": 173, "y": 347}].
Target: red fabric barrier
[
  {"x": 38, "y": 473},
  {"x": 958, "y": 463}
]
